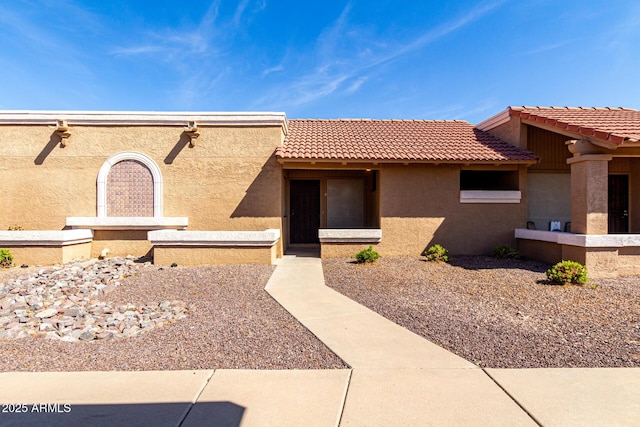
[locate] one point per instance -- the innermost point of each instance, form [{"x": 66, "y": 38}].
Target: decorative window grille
[{"x": 129, "y": 189}]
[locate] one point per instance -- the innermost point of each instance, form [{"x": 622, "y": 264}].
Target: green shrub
[
  {"x": 436, "y": 253},
  {"x": 568, "y": 272},
  {"x": 506, "y": 252},
  {"x": 367, "y": 255},
  {"x": 6, "y": 258}
]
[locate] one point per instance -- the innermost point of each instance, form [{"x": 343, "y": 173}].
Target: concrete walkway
[
  {"x": 399, "y": 378},
  {"x": 396, "y": 378}
]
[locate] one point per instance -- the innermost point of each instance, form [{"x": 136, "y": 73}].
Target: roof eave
[
  {"x": 571, "y": 132},
  {"x": 284, "y": 160},
  {"x": 143, "y": 118},
  {"x": 495, "y": 121}
]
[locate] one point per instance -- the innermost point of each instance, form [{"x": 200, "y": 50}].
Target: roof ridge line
[{"x": 358, "y": 120}]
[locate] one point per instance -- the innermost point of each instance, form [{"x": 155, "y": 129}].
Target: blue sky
[{"x": 333, "y": 59}]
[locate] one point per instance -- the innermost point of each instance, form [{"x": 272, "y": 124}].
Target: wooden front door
[
  {"x": 304, "y": 210},
  {"x": 618, "y": 203}
]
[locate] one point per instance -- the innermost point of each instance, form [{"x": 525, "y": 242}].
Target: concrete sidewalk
[
  {"x": 400, "y": 378},
  {"x": 173, "y": 398},
  {"x": 396, "y": 378}
]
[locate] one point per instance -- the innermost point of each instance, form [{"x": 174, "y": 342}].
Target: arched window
[{"x": 129, "y": 185}]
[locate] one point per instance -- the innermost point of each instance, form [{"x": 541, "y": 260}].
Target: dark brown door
[
  {"x": 304, "y": 210},
  {"x": 618, "y": 204}
]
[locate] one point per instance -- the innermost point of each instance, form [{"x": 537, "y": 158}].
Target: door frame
[
  {"x": 609, "y": 197},
  {"x": 289, "y": 210}
]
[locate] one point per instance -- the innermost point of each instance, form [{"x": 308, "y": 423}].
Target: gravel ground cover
[
  {"x": 231, "y": 323},
  {"x": 500, "y": 313}
]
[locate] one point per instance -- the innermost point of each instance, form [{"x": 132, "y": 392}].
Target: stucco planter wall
[{"x": 47, "y": 247}]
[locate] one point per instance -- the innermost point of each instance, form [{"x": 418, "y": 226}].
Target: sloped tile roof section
[
  {"x": 395, "y": 140},
  {"x": 615, "y": 125}
]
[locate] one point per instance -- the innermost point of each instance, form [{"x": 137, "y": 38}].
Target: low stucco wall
[
  {"x": 605, "y": 256},
  {"x": 548, "y": 252},
  {"x": 121, "y": 242},
  {"x": 629, "y": 261},
  {"x": 195, "y": 255},
  {"x": 600, "y": 262},
  {"x": 49, "y": 255},
  {"x": 343, "y": 250}
]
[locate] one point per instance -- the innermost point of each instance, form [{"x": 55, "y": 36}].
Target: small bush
[
  {"x": 15, "y": 228},
  {"x": 506, "y": 252},
  {"x": 568, "y": 272},
  {"x": 6, "y": 258},
  {"x": 367, "y": 255},
  {"x": 436, "y": 253}
]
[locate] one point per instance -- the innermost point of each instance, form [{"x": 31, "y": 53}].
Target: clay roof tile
[
  {"x": 613, "y": 124},
  {"x": 414, "y": 140}
]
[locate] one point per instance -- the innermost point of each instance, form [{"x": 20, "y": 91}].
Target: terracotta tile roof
[
  {"x": 615, "y": 125},
  {"x": 395, "y": 140}
]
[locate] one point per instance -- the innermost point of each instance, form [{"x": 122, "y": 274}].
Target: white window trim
[
  {"x": 145, "y": 160},
  {"x": 489, "y": 196}
]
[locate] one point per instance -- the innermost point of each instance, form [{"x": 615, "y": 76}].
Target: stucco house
[
  {"x": 204, "y": 188},
  {"x": 588, "y": 180}
]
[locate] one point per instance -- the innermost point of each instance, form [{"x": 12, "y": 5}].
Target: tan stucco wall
[
  {"x": 600, "y": 262},
  {"x": 549, "y": 198},
  {"x": 75, "y": 252},
  {"x": 120, "y": 243},
  {"x": 420, "y": 206},
  {"x": 511, "y": 132},
  {"x": 548, "y": 252},
  {"x": 229, "y": 181},
  {"x": 189, "y": 255},
  {"x": 589, "y": 196},
  {"x": 48, "y": 255},
  {"x": 629, "y": 261},
  {"x": 339, "y": 250}
]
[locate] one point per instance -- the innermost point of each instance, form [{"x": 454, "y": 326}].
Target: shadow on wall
[
  {"x": 462, "y": 236},
  {"x": 177, "y": 149},
  {"x": 463, "y": 229},
  {"x": 54, "y": 141},
  {"x": 146, "y": 414},
  {"x": 263, "y": 197}
]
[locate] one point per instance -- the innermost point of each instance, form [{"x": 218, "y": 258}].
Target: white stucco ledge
[
  {"x": 351, "y": 235},
  {"x": 486, "y": 196},
  {"x": 214, "y": 238},
  {"x": 45, "y": 237},
  {"x": 127, "y": 223},
  {"x": 582, "y": 240}
]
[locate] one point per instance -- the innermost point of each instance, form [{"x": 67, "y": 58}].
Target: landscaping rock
[
  {"x": 71, "y": 313},
  {"x": 50, "y": 312}
]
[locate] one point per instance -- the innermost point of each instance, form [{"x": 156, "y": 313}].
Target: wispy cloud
[
  {"x": 237, "y": 16},
  {"x": 447, "y": 28},
  {"x": 169, "y": 43},
  {"x": 53, "y": 47},
  {"x": 272, "y": 70},
  {"x": 356, "y": 85},
  {"x": 344, "y": 56},
  {"x": 548, "y": 47},
  {"x": 137, "y": 50}
]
